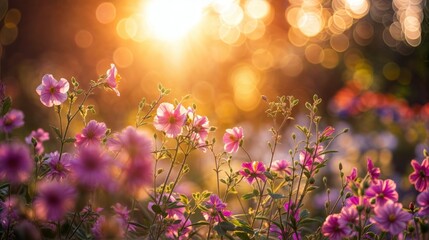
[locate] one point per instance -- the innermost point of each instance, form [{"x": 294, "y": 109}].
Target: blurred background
[{"x": 368, "y": 60}]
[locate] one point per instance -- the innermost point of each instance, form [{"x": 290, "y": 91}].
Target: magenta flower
[
  {"x": 373, "y": 172},
  {"x": 92, "y": 134},
  {"x": 132, "y": 143},
  {"x": 58, "y": 170},
  {"x": 16, "y": 164},
  {"x": 136, "y": 175},
  {"x": 423, "y": 201},
  {"x": 91, "y": 167},
  {"x": 328, "y": 131},
  {"x": 281, "y": 167},
  {"x": 232, "y": 139},
  {"x": 9, "y": 213},
  {"x": 169, "y": 119},
  {"x": 291, "y": 209},
  {"x": 358, "y": 201},
  {"x": 215, "y": 209},
  {"x": 51, "y": 91},
  {"x": 54, "y": 200},
  {"x": 348, "y": 216},
  {"x": 175, "y": 231},
  {"x": 124, "y": 214},
  {"x": 420, "y": 176},
  {"x": 252, "y": 171},
  {"x": 382, "y": 191},
  {"x": 391, "y": 218},
  {"x": 11, "y": 120},
  {"x": 40, "y": 136},
  {"x": 308, "y": 159},
  {"x": 352, "y": 177},
  {"x": 332, "y": 228},
  {"x": 112, "y": 78}
]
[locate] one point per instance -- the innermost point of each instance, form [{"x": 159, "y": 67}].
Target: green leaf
[
  {"x": 227, "y": 226},
  {"x": 7, "y": 103},
  {"x": 248, "y": 196},
  {"x": 157, "y": 209},
  {"x": 70, "y": 140},
  {"x": 276, "y": 196},
  {"x": 242, "y": 235},
  {"x": 57, "y": 131}
]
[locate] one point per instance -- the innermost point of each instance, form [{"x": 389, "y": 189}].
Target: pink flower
[
  {"x": 423, "y": 201},
  {"x": 16, "y": 165},
  {"x": 92, "y": 134},
  {"x": 124, "y": 214},
  {"x": 10, "y": 211},
  {"x": 391, "y": 218},
  {"x": 11, "y": 120},
  {"x": 358, "y": 201},
  {"x": 53, "y": 200},
  {"x": 200, "y": 129},
  {"x": 112, "y": 78},
  {"x": 169, "y": 119},
  {"x": 132, "y": 143},
  {"x": 328, "y": 131},
  {"x": 383, "y": 191},
  {"x": 348, "y": 215},
  {"x": 352, "y": 177},
  {"x": 91, "y": 167},
  {"x": 40, "y": 136},
  {"x": 252, "y": 171},
  {"x": 51, "y": 91},
  {"x": 308, "y": 159},
  {"x": 215, "y": 209},
  {"x": 420, "y": 176},
  {"x": 374, "y": 172},
  {"x": 232, "y": 139},
  {"x": 281, "y": 167},
  {"x": 332, "y": 228},
  {"x": 58, "y": 170}
]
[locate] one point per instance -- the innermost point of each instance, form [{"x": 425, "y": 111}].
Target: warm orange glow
[{"x": 172, "y": 20}]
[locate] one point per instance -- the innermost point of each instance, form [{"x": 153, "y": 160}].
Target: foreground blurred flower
[
  {"x": 58, "y": 170},
  {"x": 112, "y": 78},
  {"x": 423, "y": 201},
  {"x": 332, "y": 228},
  {"x": 391, "y": 218},
  {"x": 232, "y": 139},
  {"x": 51, "y": 91},
  {"x": 253, "y": 170},
  {"x": 383, "y": 191},
  {"x": 215, "y": 210},
  {"x": 53, "y": 200},
  {"x": 420, "y": 176},
  {"x": 92, "y": 134},
  {"x": 40, "y": 136},
  {"x": 124, "y": 215},
  {"x": 133, "y": 143},
  {"x": 169, "y": 119},
  {"x": 9, "y": 213},
  {"x": 11, "y": 120},
  {"x": 109, "y": 228},
  {"x": 16, "y": 164}
]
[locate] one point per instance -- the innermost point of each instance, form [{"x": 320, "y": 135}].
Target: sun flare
[{"x": 172, "y": 20}]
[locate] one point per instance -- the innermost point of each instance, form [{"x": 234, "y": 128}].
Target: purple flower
[
  {"x": 383, "y": 191},
  {"x": 232, "y": 139},
  {"x": 11, "y": 120},
  {"x": 281, "y": 167},
  {"x": 16, "y": 165},
  {"x": 332, "y": 228},
  {"x": 373, "y": 172},
  {"x": 252, "y": 171},
  {"x": 391, "y": 218},
  {"x": 92, "y": 134},
  {"x": 169, "y": 119},
  {"x": 40, "y": 136},
  {"x": 53, "y": 200},
  {"x": 51, "y": 91},
  {"x": 58, "y": 170},
  {"x": 420, "y": 176},
  {"x": 91, "y": 167},
  {"x": 112, "y": 78},
  {"x": 348, "y": 216},
  {"x": 9, "y": 213},
  {"x": 215, "y": 209},
  {"x": 423, "y": 201}
]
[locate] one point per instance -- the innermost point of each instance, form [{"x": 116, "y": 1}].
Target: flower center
[
  {"x": 422, "y": 173},
  {"x": 52, "y": 90},
  {"x": 172, "y": 120},
  {"x": 392, "y": 217}
]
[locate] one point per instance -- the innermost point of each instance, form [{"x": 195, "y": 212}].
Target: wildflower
[
  {"x": 9, "y": 213},
  {"x": 308, "y": 159},
  {"x": 135, "y": 144},
  {"x": 348, "y": 215},
  {"x": 58, "y": 170},
  {"x": 169, "y": 119},
  {"x": 200, "y": 129},
  {"x": 328, "y": 131},
  {"x": 53, "y": 200},
  {"x": 291, "y": 210},
  {"x": 355, "y": 201},
  {"x": 112, "y": 78},
  {"x": 391, "y": 218},
  {"x": 232, "y": 139},
  {"x": 91, "y": 167},
  {"x": 16, "y": 165},
  {"x": 332, "y": 228},
  {"x": 174, "y": 228},
  {"x": 92, "y": 134},
  {"x": 383, "y": 191},
  {"x": 374, "y": 172},
  {"x": 420, "y": 176},
  {"x": 11, "y": 120},
  {"x": 136, "y": 175},
  {"x": 215, "y": 210},
  {"x": 281, "y": 167},
  {"x": 40, "y": 136},
  {"x": 252, "y": 171},
  {"x": 423, "y": 201},
  {"x": 352, "y": 177},
  {"x": 51, "y": 91},
  {"x": 124, "y": 214}
]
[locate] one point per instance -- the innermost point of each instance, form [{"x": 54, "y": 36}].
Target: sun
[{"x": 172, "y": 20}]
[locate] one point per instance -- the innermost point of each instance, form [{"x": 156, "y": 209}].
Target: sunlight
[{"x": 172, "y": 20}]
